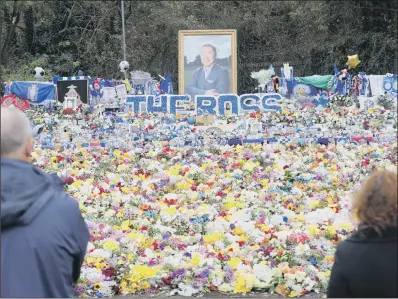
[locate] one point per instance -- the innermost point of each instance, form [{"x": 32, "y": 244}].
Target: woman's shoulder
[{"x": 388, "y": 235}]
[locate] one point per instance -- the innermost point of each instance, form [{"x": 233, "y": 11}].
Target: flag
[
  {"x": 13, "y": 100},
  {"x": 34, "y": 92},
  {"x": 336, "y": 70},
  {"x": 166, "y": 86}
]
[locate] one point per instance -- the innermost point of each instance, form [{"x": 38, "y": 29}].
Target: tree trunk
[
  {"x": 16, "y": 13},
  {"x": 29, "y": 29}
]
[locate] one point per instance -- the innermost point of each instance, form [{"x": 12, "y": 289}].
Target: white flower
[
  {"x": 100, "y": 253},
  {"x": 263, "y": 272}
]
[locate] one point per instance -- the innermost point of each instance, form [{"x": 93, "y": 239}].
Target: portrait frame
[
  {"x": 182, "y": 34},
  {"x": 70, "y": 102}
]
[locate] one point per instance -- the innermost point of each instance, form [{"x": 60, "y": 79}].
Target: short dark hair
[{"x": 213, "y": 48}]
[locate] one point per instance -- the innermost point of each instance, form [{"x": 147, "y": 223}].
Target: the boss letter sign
[{"x": 174, "y": 104}]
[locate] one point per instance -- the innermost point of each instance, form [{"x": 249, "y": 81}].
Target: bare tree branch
[{"x": 68, "y": 19}]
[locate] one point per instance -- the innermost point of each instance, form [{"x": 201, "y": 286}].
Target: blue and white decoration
[
  {"x": 302, "y": 90},
  {"x": 390, "y": 84},
  {"x": 35, "y": 92},
  {"x": 206, "y": 105},
  {"x": 57, "y": 78}
]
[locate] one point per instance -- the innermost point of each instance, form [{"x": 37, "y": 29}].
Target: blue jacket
[
  {"x": 218, "y": 79},
  {"x": 43, "y": 234}
]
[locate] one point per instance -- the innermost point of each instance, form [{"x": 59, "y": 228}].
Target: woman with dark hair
[{"x": 366, "y": 262}]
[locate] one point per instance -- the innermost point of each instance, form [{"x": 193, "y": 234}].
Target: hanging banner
[
  {"x": 390, "y": 84},
  {"x": 35, "y": 92}
]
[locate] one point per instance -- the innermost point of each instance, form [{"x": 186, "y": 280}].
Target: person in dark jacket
[
  {"x": 366, "y": 263},
  {"x": 210, "y": 79},
  {"x": 43, "y": 234}
]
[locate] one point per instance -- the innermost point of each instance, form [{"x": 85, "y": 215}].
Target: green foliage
[
  {"x": 63, "y": 36},
  {"x": 386, "y": 102}
]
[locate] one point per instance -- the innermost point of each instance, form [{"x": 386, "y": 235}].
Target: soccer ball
[
  {"x": 38, "y": 73},
  {"x": 124, "y": 66}
]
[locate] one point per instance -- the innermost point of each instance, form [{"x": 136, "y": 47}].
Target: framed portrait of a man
[{"x": 207, "y": 62}]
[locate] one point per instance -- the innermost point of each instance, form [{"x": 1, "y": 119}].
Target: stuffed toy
[{"x": 275, "y": 83}]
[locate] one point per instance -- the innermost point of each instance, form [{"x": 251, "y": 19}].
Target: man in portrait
[{"x": 211, "y": 78}]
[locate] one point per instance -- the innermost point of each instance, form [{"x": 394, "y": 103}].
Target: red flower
[
  {"x": 110, "y": 272},
  {"x": 144, "y": 228},
  {"x": 155, "y": 245},
  {"x": 241, "y": 243},
  {"x": 69, "y": 181},
  {"x": 167, "y": 281}
]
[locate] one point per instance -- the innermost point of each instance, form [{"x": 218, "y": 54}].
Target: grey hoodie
[{"x": 43, "y": 235}]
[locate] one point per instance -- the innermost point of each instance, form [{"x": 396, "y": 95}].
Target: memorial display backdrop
[
  {"x": 207, "y": 62},
  {"x": 73, "y": 88}
]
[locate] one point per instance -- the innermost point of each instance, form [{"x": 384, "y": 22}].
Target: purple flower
[
  {"x": 228, "y": 274},
  {"x": 273, "y": 264},
  {"x": 178, "y": 273},
  {"x": 79, "y": 290},
  {"x": 205, "y": 273},
  {"x": 187, "y": 254},
  {"x": 166, "y": 235}
]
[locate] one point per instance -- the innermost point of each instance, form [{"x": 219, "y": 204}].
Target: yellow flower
[
  {"x": 234, "y": 204},
  {"x": 144, "y": 285},
  {"x": 146, "y": 243},
  {"x": 170, "y": 211},
  {"x": 77, "y": 183},
  {"x": 330, "y": 230},
  {"x": 116, "y": 153},
  {"x": 110, "y": 245},
  {"x": 125, "y": 225},
  {"x": 100, "y": 265},
  {"x": 123, "y": 286},
  {"x": 97, "y": 286},
  {"x": 234, "y": 262},
  {"x": 238, "y": 231},
  {"x": 327, "y": 273},
  {"x": 195, "y": 259},
  {"x": 240, "y": 286},
  {"x": 312, "y": 230},
  {"x": 183, "y": 185},
  {"x": 346, "y": 226},
  {"x": 250, "y": 166},
  {"x": 213, "y": 238},
  {"x": 293, "y": 294},
  {"x": 145, "y": 271},
  {"x": 120, "y": 213}
]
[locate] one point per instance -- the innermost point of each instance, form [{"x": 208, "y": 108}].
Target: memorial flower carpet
[{"x": 233, "y": 219}]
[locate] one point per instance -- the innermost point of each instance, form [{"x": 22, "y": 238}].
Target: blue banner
[
  {"x": 166, "y": 85},
  {"x": 390, "y": 84},
  {"x": 297, "y": 89},
  {"x": 34, "y": 92}
]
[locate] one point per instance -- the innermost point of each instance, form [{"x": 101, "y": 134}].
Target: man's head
[
  {"x": 16, "y": 135},
  {"x": 208, "y": 55}
]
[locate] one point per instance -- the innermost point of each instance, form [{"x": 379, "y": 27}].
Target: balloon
[
  {"x": 353, "y": 61},
  {"x": 191, "y": 120}
]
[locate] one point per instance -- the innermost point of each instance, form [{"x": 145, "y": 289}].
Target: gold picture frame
[{"x": 190, "y": 64}]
